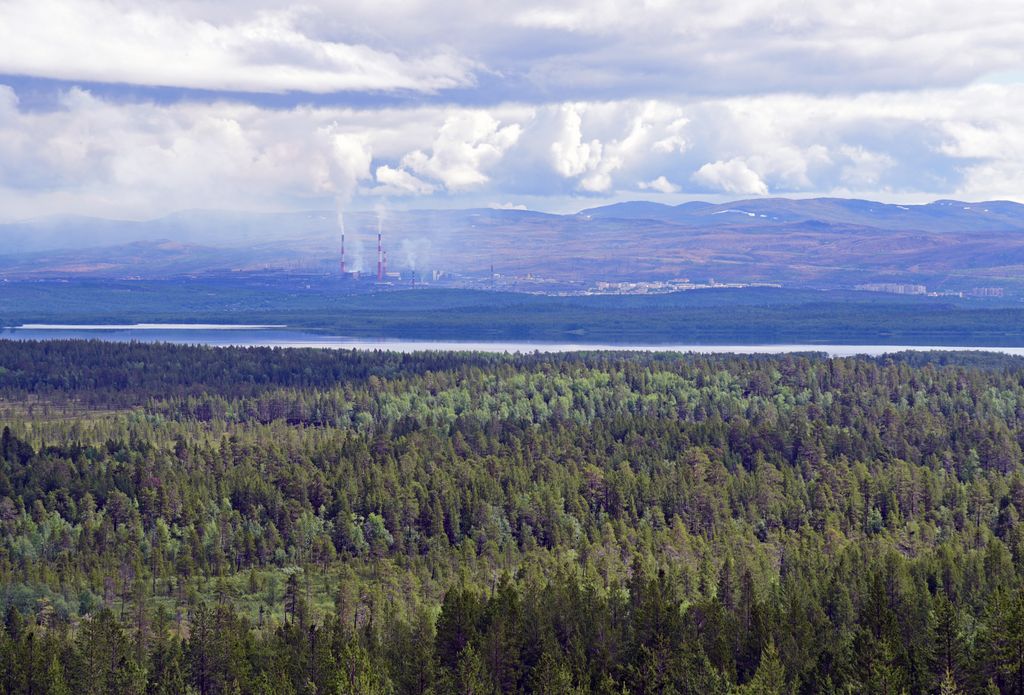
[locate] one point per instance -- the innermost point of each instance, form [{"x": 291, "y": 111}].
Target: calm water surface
[{"x": 278, "y": 336}]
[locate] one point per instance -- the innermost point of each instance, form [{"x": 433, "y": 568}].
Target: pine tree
[
  {"x": 56, "y": 682},
  {"x": 292, "y": 597},
  {"x": 470, "y": 676},
  {"x": 948, "y": 651},
  {"x": 167, "y": 668},
  {"x": 552, "y": 676},
  {"x": 456, "y": 626},
  {"x": 357, "y": 674},
  {"x": 1002, "y": 639},
  {"x": 770, "y": 678},
  {"x": 948, "y": 685}
]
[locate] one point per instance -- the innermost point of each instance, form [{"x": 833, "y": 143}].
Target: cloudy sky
[{"x": 133, "y": 108}]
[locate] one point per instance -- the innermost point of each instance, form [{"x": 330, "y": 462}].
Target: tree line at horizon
[{"x": 181, "y": 519}]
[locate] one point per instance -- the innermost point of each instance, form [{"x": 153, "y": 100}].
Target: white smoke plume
[
  {"x": 354, "y": 253},
  {"x": 346, "y": 163},
  {"x": 415, "y": 253}
]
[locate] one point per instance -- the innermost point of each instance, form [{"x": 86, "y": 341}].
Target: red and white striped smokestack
[{"x": 380, "y": 258}]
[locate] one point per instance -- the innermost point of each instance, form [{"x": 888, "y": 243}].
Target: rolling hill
[{"x": 824, "y": 242}]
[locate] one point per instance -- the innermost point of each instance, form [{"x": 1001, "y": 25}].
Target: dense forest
[{"x": 220, "y": 520}]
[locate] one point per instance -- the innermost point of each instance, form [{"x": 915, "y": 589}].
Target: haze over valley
[{"x": 825, "y": 243}]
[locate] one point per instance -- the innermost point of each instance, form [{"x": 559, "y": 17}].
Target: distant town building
[
  {"x": 662, "y": 286},
  {"x": 892, "y": 288},
  {"x": 987, "y": 292}
]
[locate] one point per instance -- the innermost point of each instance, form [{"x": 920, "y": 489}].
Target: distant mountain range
[
  {"x": 821, "y": 242},
  {"x": 940, "y": 216}
]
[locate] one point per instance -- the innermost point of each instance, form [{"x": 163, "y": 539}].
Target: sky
[{"x": 134, "y": 109}]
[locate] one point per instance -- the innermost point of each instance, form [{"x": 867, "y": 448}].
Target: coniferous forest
[{"x": 218, "y": 520}]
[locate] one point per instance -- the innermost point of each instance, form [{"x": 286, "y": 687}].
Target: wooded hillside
[{"x": 293, "y": 521}]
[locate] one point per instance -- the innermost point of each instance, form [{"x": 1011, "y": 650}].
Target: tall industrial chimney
[{"x": 380, "y": 257}]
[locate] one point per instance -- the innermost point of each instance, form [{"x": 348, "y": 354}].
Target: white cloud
[
  {"x": 152, "y": 44},
  {"x": 467, "y": 144},
  {"x": 570, "y": 155},
  {"x": 348, "y": 162},
  {"x": 673, "y": 141},
  {"x": 865, "y": 168},
  {"x": 615, "y": 156},
  {"x": 733, "y": 176},
  {"x": 994, "y": 180},
  {"x": 94, "y": 155},
  {"x": 743, "y": 46},
  {"x": 659, "y": 185},
  {"x": 525, "y": 100},
  {"x": 978, "y": 139},
  {"x": 399, "y": 182},
  {"x": 573, "y": 50},
  {"x": 97, "y": 157},
  {"x": 991, "y": 146},
  {"x": 596, "y": 162}
]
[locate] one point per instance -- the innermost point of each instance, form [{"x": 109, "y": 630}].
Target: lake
[{"x": 251, "y": 335}]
